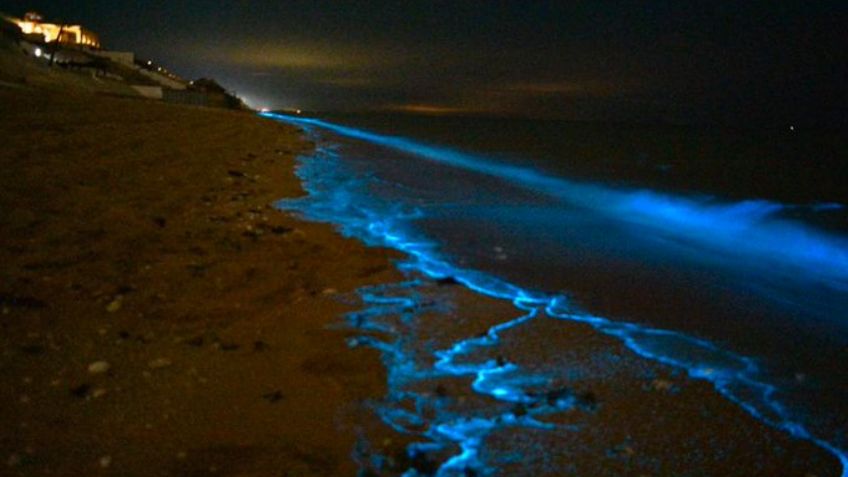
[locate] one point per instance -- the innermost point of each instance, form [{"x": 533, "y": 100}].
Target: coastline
[
  {"x": 667, "y": 422},
  {"x": 141, "y": 235},
  {"x": 159, "y": 316}
]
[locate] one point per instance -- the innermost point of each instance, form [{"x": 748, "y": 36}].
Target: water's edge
[{"x": 738, "y": 378}]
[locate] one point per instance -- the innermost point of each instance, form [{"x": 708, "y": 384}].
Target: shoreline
[
  {"x": 142, "y": 236},
  {"x": 759, "y": 447}
]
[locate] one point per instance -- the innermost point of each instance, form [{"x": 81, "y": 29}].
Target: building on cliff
[{"x": 34, "y": 28}]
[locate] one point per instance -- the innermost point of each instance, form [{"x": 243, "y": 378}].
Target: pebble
[
  {"x": 114, "y": 305},
  {"x": 99, "y": 392},
  {"x": 98, "y": 367},
  {"x": 159, "y": 363},
  {"x": 105, "y": 461},
  {"x": 662, "y": 385},
  {"x": 13, "y": 460}
]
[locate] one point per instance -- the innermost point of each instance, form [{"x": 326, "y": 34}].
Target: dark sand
[{"x": 140, "y": 235}]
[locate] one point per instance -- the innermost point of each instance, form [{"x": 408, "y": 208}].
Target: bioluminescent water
[{"x": 748, "y": 294}]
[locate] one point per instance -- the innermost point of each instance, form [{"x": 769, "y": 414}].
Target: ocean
[{"x": 719, "y": 252}]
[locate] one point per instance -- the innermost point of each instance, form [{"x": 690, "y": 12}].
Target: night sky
[{"x": 735, "y": 61}]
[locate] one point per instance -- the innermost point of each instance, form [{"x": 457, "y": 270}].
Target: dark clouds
[{"x": 764, "y": 61}]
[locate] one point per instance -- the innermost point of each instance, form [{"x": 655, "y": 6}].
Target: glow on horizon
[{"x": 430, "y": 109}]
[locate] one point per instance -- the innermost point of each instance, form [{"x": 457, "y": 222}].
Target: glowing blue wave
[
  {"x": 336, "y": 197},
  {"x": 750, "y": 230}
]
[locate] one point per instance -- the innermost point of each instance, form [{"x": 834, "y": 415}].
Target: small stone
[
  {"x": 519, "y": 410},
  {"x": 105, "y": 461},
  {"x": 98, "y": 367},
  {"x": 662, "y": 385},
  {"x": 228, "y": 346},
  {"x": 99, "y": 392},
  {"x": 197, "y": 341},
  {"x": 81, "y": 391},
  {"x": 114, "y": 305},
  {"x": 446, "y": 281},
  {"x": 13, "y": 460},
  {"x": 273, "y": 397},
  {"x": 24, "y": 399},
  {"x": 622, "y": 450},
  {"x": 182, "y": 455},
  {"x": 159, "y": 363},
  {"x": 33, "y": 349}
]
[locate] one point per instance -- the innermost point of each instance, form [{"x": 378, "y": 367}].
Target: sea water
[{"x": 723, "y": 253}]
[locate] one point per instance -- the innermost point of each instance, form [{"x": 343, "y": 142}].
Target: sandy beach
[{"x": 159, "y": 317}]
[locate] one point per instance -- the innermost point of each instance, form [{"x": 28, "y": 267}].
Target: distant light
[
  {"x": 791, "y": 128},
  {"x": 149, "y": 63},
  {"x": 264, "y": 110},
  {"x": 297, "y": 111},
  {"x": 38, "y": 52}
]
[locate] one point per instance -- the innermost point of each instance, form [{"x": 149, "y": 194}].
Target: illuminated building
[{"x": 65, "y": 34}]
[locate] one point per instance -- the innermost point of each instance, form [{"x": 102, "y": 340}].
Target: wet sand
[
  {"x": 630, "y": 416},
  {"x": 160, "y": 318}
]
